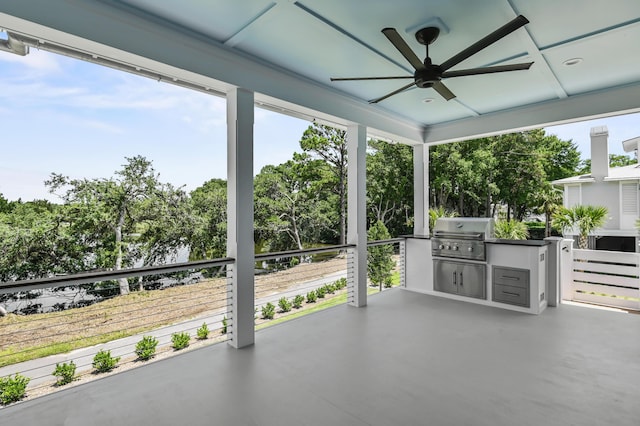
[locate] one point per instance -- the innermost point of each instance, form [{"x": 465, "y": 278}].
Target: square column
[
  {"x": 357, "y": 212},
  {"x": 240, "y": 244},
  {"x": 421, "y": 190}
]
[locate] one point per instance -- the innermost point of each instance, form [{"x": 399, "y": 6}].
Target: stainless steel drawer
[
  {"x": 511, "y": 276},
  {"x": 511, "y": 295}
]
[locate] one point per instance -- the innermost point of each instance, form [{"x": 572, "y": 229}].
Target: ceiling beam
[{"x": 601, "y": 103}]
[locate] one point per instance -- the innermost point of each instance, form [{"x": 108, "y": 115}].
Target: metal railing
[
  {"x": 310, "y": 284},
  {"x": 101, "y": 319}
]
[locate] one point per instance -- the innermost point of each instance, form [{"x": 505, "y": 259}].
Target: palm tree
[
  {"x": 549, "y": 199},
  {"x": 437, "y": 213},
  {"x": 583, "y": 218}
]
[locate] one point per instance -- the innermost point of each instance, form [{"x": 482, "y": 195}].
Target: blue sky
[{"x": 71, "y": 117}]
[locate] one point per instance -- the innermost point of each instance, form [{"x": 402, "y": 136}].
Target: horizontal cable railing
[
  {"x": 61, "y": 319},
  {"x": 304, "y": 284}
]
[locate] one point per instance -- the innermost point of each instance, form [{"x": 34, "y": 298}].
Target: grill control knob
[
  {"x": 447, "y": 247},
  {"x": 470, "y": 248},
  {"x": 455, "y": 248},
  {"x": 441, "y": 246}
]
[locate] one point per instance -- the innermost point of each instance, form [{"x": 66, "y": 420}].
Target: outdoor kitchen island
[{"x": 514, "y": 273}]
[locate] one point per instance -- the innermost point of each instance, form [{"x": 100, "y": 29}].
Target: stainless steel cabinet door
[
  {"x": 471, "y": 280},
  {"x": 445, "y": 276}
]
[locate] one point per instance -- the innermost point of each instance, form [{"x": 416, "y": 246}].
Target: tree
[
  {"x": 582, "y": 218},
  {"x": 329, "y": 144},
  {"x": 291, "y": 203},
  {"x": 548, "y": 200},
  {"x": 390, "y": 185},
  {"x": 615, "y": 160},
  {"x": 379, "y": 260},
  {"x": 36, "y": 242},
  {"x": 209, "y": 237},
  {"x": 125, "y": 218},
  {"x": 5, "y": 205}
]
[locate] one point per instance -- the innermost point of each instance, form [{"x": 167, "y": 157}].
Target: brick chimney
[{"x": 599, "y": 152}]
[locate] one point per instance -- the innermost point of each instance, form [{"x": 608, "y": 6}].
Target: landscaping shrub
[
  {"x": 65, "y": 373},
  {"x": 284, "y": 304},
  {"x": 104, "y": 362},
  {"x": 320, "y": 292},
  {"x": 340, "y": 283},
  {"x": 13, "y": 389},
  {"x": 268, "y": 311},
  {"x": 329, "y": 288},
  {"x": 224, "y": 325},
  {"x": 203, "y": 331},
  {"x": 511, "y": 230},
  {"x": 311, "y": 297},
  {"x": 146, "y": 348},
  {"x": 297, "y": 301},
  {"x": 180, "y": 340}
]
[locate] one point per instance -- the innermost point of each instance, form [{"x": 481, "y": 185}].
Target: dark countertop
[{"x": 530, "y": 243}]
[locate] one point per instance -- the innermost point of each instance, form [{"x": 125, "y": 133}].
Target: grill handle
[{"x": 460, "y": 236}]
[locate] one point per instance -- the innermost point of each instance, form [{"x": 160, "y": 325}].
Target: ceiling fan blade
[
  {"x": 443, "y": 90},
  {"x": 501, "y": 32},
  {"x": 487, "y": 70},
  {"x": 371, "y": 78},
  {"x": 395, "y": 92},
  {"x": 402, "y": 46}
]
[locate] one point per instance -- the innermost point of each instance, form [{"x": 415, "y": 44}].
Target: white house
[{"x": 615, "y": 188}]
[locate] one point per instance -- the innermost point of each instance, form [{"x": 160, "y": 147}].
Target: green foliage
[
  {"x": 203, "y": 332},
  {"x": 390, "y": 186},
  {"x": 284, "y": 304},
  {"x": 209, "y": 237},
  {"x": 312, "y": 297},
  {"x": 180, "y": 340},
  {"x": 65, "y": 372},
  {"x": 146, "y": 348},
  {"x": 127, "y": 218},
  {"x": 329, "y": 288},
  {"x": 580, "y": 218},
  {"x": 474, "y": 177},
  {"x": 511, "y": 230},
  {"x": 437, "y": 213},
  {"x": 13, "y": 389},
  {"x": 340, "y": 283},
  {"x": 268, "y": 311},
  {"x": 224, "y": 325},
  {"x": 104, "y": 362},
  {"x": 615, "y": 160},
  {"x": 379, "y": 260},
  {"x": 321, "y": 292},
  {"x": 298, "y": 301}
]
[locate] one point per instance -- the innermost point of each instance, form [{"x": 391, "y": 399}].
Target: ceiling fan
[{"x": 428, "y": 74}]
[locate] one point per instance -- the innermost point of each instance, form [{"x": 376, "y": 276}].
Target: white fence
[{"x": 609, "y": 278}]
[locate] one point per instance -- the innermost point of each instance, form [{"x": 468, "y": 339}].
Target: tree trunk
[
  {"x": 583, "y": 242},
  {"x": 122, "y": 282}
]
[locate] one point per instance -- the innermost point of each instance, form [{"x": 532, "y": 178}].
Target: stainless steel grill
[{"x": 461, "y": 237}]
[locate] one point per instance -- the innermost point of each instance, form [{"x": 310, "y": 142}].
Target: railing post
[
  {"x": 401, "y": 252},
  {"x": 566, "y": 269},
  {"x": 240, "y": 243},
  {"x": 357, "y": 214},
  {"x": 553, "y": 270}
]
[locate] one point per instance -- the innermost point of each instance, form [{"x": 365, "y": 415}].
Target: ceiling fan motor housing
[{"x": 427, "y": 76}]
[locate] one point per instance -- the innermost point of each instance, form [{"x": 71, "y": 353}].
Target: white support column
[
  {"x": 240, "y": 244},
  {"x": 357, "y": 211},
  {"x": 421, "y": 190}
]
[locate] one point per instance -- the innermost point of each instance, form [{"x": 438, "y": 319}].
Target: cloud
[{"x": 36, "y": 61}]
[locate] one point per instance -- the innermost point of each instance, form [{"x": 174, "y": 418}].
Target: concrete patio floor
[{"x": 405, "y": 359}]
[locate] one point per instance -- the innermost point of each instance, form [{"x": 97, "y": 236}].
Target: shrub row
[{"x": 268, "y": 311}]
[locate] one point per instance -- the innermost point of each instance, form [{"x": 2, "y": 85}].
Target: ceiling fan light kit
[{"x": 427, "y": 74}]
